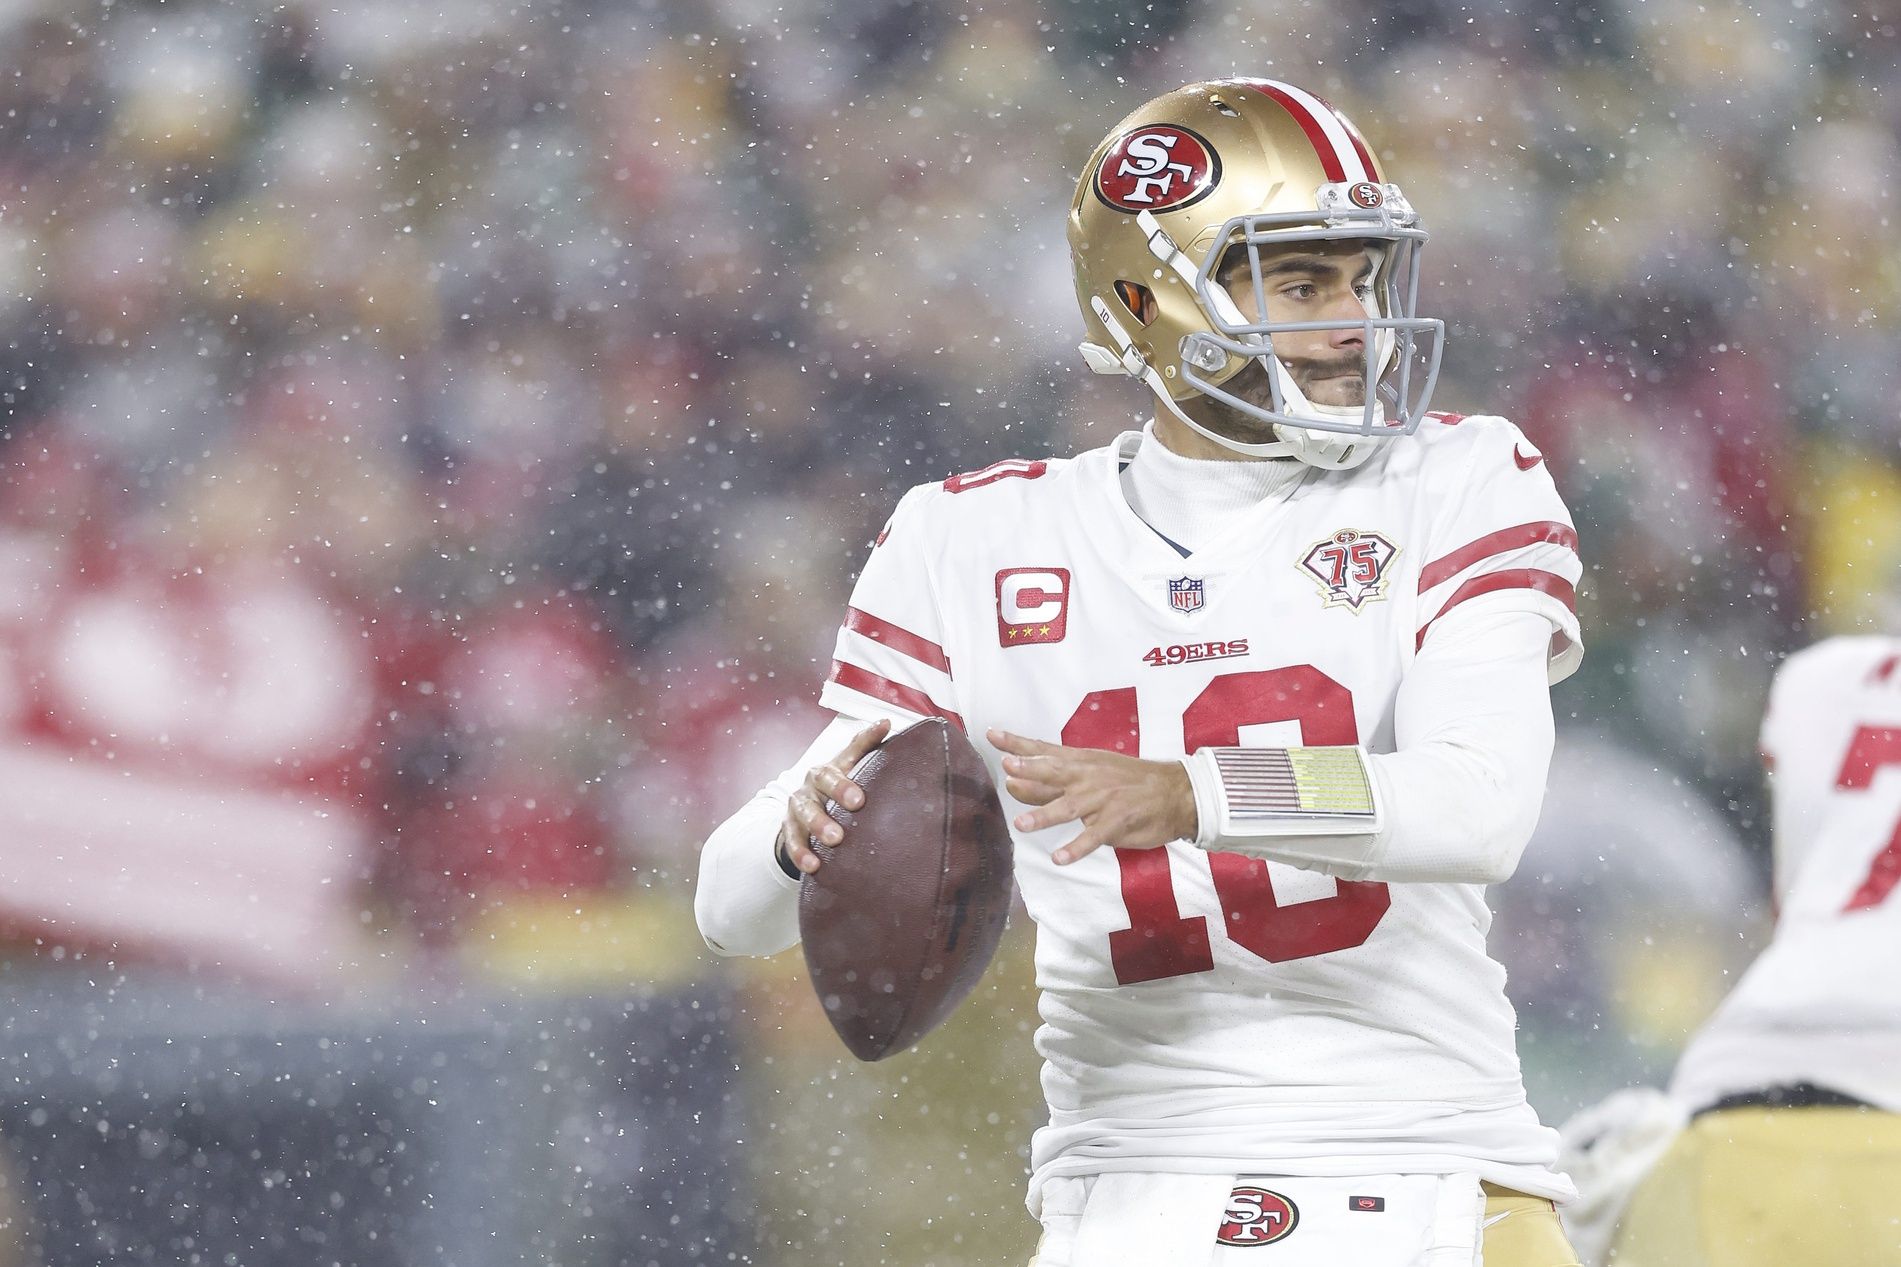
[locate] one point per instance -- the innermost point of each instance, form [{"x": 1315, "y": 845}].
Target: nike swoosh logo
[
  {"x": 1526, "y": 463},
  {"x": 1495, "y": 1219}
]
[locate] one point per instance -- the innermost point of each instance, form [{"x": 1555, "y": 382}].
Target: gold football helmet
[{"x": 1245, "y": 163}]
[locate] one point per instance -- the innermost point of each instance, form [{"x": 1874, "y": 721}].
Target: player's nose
[{"x": 1347, "y": 308}]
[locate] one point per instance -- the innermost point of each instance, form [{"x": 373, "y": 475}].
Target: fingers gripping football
[
  {"x": 805, "y": 816},
  {"x": 1120, "y": 801}
]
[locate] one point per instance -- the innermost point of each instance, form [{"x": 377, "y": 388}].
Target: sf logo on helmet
[{"x": 1157, "y": 168}]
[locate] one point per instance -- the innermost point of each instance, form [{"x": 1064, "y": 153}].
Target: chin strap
[
  {"x": 1324, "y": 449},
  {"x": 1132, "y": 363}
]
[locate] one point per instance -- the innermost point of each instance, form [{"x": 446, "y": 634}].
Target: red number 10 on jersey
[{"x": 1160, "y": 942}]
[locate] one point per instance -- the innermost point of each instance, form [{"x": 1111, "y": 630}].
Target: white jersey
[
  {"x": 1207, "y": 1011},
  {"x": 1823, "y": 1003}
]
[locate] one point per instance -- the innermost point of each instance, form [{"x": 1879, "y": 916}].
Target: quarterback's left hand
[{"x": 1123, "y": 802}]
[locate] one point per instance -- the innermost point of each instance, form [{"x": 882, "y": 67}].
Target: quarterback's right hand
[{"x": 805, "y": 815}]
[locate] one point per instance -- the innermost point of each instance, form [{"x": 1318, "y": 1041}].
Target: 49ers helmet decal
[
  {"x": 1246, "y": 165},
  {"x": 1157, "y": 168}
]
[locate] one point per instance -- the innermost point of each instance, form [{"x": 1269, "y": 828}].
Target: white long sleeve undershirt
[
  {"x": 745, "y": 903},
  {"x": 1461, "y": 793},
  {"x": 1473, "y": 735}
]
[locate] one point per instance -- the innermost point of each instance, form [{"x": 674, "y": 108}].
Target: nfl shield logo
[{"x": 1185, "y": 595}]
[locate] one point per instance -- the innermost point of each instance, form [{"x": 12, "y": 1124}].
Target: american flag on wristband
[{"x": 1278, "y": 784}]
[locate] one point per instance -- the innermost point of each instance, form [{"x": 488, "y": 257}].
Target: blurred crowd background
[{"x": 436, "y": 441}]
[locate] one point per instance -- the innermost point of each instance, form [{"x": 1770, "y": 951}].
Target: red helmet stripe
[
  {"x": 1359, "y": 142},
  {"x": 1316, "y": 134}
]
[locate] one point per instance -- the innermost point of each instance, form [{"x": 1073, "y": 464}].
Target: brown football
[{"x": 903, "y": 917}]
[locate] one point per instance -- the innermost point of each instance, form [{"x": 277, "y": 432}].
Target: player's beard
[{"x": 1338, "y": 381}]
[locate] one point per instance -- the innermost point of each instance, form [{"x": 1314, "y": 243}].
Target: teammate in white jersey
[
  {"x": 1286, "y": 651},
  {"x": 1792, "y": 1152}
]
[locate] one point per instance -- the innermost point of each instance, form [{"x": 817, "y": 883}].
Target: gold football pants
[
  {"x": 1523, "y": 1231},
  {"x": 1761, "y": 1187}
]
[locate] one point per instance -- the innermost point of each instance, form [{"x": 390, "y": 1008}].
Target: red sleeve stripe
[
  {"x": 910, "y": 698},
  {"x": 1521, "y": 578},
  {"x": 901, "y": 640},
  {"x": 1505, "y": 540}
]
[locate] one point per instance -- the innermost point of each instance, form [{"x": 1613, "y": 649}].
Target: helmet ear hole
[{"x": 1138, "y": 299}]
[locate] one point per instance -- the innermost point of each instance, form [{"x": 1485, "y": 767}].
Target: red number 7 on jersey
[{"x": 1872, "y": 748}]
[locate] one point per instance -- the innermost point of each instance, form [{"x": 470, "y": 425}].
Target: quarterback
[
  {"x": 1266, "y": 686},
  {"x": 1792, "y": 1090}
]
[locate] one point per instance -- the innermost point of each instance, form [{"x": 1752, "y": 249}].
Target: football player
[
  {"x": 1286, "y": 651},
  {"x": 1792, "y": 1090}
]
